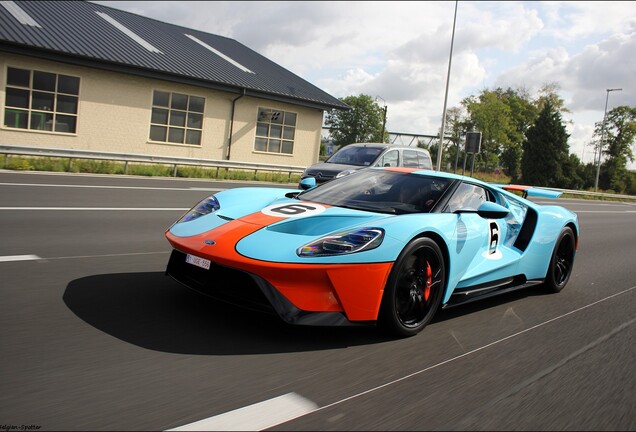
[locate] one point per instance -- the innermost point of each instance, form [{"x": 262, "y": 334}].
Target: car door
[
  {"x": 485, "y": 255},
  {"x": 389, "y": 159}
]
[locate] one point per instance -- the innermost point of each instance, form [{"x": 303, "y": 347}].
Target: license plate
[{"x": 197, "y": 261}]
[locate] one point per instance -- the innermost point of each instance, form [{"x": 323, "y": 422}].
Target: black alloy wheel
[
  {"x": 562, "y": 261},
  {"x": 415, "y": 288}
]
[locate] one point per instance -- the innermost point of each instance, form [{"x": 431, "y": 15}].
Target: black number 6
[
  {"x": 494, "y": 238},
  {"x": 292, "y": 209}
]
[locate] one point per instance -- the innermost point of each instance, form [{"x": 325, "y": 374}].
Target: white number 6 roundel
[{"x": 293, "y": 210}]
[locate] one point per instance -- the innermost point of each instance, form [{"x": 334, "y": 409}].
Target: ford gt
[{"x": 385, "y": 246}]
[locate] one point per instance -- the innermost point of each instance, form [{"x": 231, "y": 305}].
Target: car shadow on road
[{"x": 152, "y": 311}]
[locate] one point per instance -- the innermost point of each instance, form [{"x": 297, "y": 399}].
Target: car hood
[
  {"x": 329, "y": 169},
  {"x": 276, "y": 236},
  {"x": 271, "y": 208}
]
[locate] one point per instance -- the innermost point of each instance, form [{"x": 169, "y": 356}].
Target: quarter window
[
  {"x": 176, "y": 118},
  {"x": 468, "y": 197},
  {"x": 275, "y": 131},
  {"x": 38, "y": 100}
]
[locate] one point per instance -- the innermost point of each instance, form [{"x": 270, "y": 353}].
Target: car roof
[
  {"x": 383, "y": 145},
  {"x": 462, "y": 178},
  {"x": 431, "y": 173}
]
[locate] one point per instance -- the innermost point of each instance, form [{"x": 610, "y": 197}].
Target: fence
[
  {"x": 138, "y": 158},
  {"x": 209, "y": 163}
]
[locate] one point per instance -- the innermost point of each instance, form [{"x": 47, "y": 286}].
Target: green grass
[
  {"x": 491, "y": 177},
  {"x": 32, "y": 163},
  {"x": 29, "y": 163}
]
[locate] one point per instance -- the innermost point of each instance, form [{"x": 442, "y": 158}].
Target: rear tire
[
  {"x": 561, "y": 262},
  {"x": 414, "y": 289}
]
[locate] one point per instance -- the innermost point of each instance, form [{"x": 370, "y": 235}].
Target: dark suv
[{"x": 353, "y": 157}]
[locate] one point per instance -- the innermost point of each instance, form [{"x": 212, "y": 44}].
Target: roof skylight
[
  {"x": 220, "y": 54},
  {"x": 129, "y": 33},
  {"x": 19, "y": 13}
]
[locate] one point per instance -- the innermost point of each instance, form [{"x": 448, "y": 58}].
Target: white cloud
[
  {"x": 497, "y": 25},
  {"x": 574, "y": 20},
  {"x": 609, "y": 64},
  {"x": 540, "y": 68}
]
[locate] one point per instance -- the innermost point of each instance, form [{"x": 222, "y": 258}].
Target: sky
[{"x": 398, "y": 52}]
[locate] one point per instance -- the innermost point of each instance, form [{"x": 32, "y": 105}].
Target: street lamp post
[
  {"x": 600, "y": 146},
  {"x": 450, "y": 59}
]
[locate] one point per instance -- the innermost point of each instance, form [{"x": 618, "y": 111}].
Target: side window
[
  {"x": 389, "y": 159},
  {"x": 425, "y": 161},
  {"x": 514, "y": 220},
  {"x": 467, "y": 197},
  {"x": 410, "y": 159},
  {"x": 417, "y": 159}
]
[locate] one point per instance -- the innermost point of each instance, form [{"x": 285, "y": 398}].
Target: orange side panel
[{"x": 360, "y": 289}]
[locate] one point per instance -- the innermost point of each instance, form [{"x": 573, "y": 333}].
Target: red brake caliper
[{"x": 429, "y": 281}]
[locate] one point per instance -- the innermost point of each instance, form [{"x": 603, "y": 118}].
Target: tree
[
  {"x": 523, "y": 113},
  {"x": 620, "y": 133},
  {"x": 511, "y": 160},
  {"x": 549, "y": 93},
  {"x": 362, "y": 123},
  {"x": 490, "y": 115},
  {"x": 546, "y": 150}
]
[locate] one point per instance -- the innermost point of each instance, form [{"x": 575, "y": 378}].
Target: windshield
[
  {"x": 360, "y": 156},
  {"x": 381, "y": 191}
]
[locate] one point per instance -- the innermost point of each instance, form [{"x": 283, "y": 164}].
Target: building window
[
  {"x": 176, "y": 118},
  {"x": 275, "y": 131},
  {"x": 39, "y": 100}
]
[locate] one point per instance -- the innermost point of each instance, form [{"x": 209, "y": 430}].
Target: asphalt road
[{"x": 95, "y": 337}]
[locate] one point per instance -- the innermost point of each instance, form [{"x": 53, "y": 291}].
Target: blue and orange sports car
[{"x": 387, "y": 246}]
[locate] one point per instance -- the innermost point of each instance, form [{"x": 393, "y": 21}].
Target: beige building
[{"x": 174, "y": 92}]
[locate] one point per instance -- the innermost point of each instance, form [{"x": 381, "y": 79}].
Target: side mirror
[
  {"x": 308, "y": 183},
  {"x": 490, "y": 210}
]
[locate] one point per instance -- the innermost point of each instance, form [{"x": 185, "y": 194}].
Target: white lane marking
[
  {"x": 514, "y": 335},
  {"x": 104, "y": 255},
  {"x": 236, "y": 424},
  {"x": 111, "y": 187},
  {"x": 9, "y": 258},
  {"x": 256, "y": 417},
  {"x": 595, "y": 203},
  {"x": 605, "y": 211},
  {"x": 98, "y": 208}
]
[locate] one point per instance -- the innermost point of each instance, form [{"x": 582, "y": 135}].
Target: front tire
[
  {"x": 561, "y": 262},
  {"x": 414, "y": 289}
]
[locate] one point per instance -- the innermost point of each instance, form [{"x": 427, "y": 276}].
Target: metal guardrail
[
  {"x": 127, "y": 158},
  {"x": 597, "y": 194},
  {"x": 210, "y": 163}
]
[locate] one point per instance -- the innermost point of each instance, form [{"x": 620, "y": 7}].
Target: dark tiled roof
[{"x": 74, "y": 32}]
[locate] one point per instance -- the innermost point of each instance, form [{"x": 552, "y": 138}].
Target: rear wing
[{"x": 531, "y": 191}]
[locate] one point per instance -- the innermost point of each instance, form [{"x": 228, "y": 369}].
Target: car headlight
[
  {"x": 345, "y": 173},
  {"x": 344, "y": 242},
  {"x": 207, "y": 206}
]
